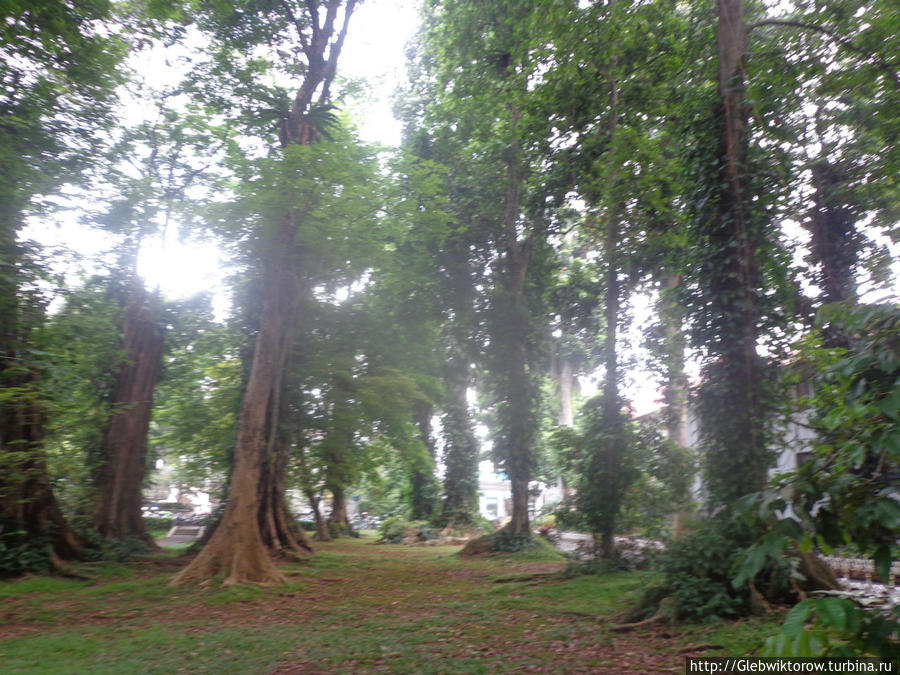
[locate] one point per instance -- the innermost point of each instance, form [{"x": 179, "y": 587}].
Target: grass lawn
[{"x": 355, "y": 606}]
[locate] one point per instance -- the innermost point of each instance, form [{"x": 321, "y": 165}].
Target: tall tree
[
  {"x": 614, "y": 122},
  {"x": 732, "y": 225},
  {"x": 57, "y": 72},
  {"x": 153, "y": 165},
  {"x": 236, "y": 549},
  {"x": 482, "y": 55}
]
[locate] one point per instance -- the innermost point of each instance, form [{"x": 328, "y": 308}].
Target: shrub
[
  {"x": 391, "y": 529},
  {"x": 21, "y": 554},
  {"x": 700, "y": 573},
  {"x": 836, "y": 627},
  {"x": 698, "y": 570},
  {"x": 158, "y": 526},
  {"x": 507, "y": 542},
  {"x": 427, "y": 532}
]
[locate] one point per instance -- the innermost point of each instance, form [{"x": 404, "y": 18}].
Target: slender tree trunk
[
  {"x": 675, "y": 390},
  {"x": 612, "y": 414},
  {"x": 613, "y": 423},
  {"x": 121, "y": 477},
  {"x": 311, "y": 492},
  {"x": 422, "y": 480},
  {"x": 461, "y": 448},
  {"x": 280, "y": 532}
]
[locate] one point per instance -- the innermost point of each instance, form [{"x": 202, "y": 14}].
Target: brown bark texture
[
  {"x": 280, "y": 533},
  {"x": 121, "y": 477},
  {"x": 237, "y": 550},
  {"x": 732, "y": 418},
  {"x": 338, "y": 517}
]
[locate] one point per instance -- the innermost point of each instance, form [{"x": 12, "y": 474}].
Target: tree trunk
[
  {"x": 518, "y": 412},
  {"x": 675, "y": 390},
  {"x": 460, "y": 446},
  {"x": 121, "y": 477},
  {"x": 612, "y": 413},
  {"x": 236, "y": 549},
  {"x": 613, "y": 424},
  {"x": 311, "y": 492},
  {"x": 833, "y": 234},
  {"x": 27, "y": 502},
  {"x": 280, "y": 533},
  {"x": 732, "y": 411},
  {"x": 322, "y": 533},
  {"x": 421, "y": 478},
  {"x": 337, "y": 519}
]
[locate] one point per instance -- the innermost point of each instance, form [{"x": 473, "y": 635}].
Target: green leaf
[
  {"x": 883, "y": 562},
  {"x": 806, "y": 543},
  {"x": 832, "y": 612},
  {"x": 797, "y": 617},
  {"x": 890, "y": 404},
  {"x": 887, "y": 512},
  {"x": 802, "y": 645}
]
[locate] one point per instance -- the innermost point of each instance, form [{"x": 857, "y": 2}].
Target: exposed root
[
  {"x": 247, "y": 565},
  {"x": 522, "y": 578},
  {"x": 62, "y": 569},
  {"x": 483, "y": 545},
  {"x": 699, "y": 648},
  {"x": 665, "y": 614}
]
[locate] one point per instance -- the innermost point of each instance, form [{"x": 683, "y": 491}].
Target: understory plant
[{"x": 846, "y": 492}]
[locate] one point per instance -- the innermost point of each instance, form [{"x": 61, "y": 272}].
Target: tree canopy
[{"x": 400, "y": 315}]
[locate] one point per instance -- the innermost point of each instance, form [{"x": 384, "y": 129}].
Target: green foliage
[
  {"x": 391, "y": 529},
  {"x": 513, "y": 542},
  {"x": 663, "y": 487},
  {"x": 81, "y": 347},
  {"x": 23, "y": 554},
  {"x": 652, "y": 483},
  {"x": 158, "y": 527},
  {"x": 836, "y": 627},
  {"x": 698, "y": 570},
  {"x": 847, "y": 491},
  {"x": 700, "y": 573},
  {"x": 196, "y": 401}
]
